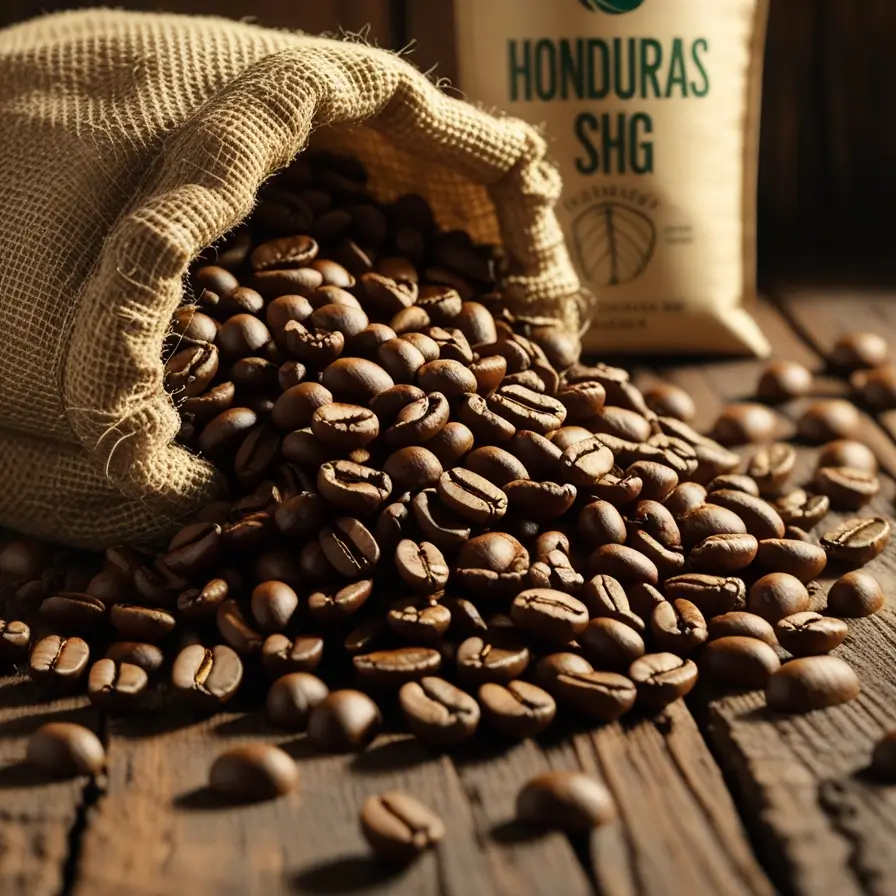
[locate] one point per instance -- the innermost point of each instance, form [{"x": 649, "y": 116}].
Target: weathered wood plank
[{"x": 37, "y": 815}]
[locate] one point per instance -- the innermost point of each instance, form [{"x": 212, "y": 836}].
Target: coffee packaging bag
[{"x": 651, "y": 110}]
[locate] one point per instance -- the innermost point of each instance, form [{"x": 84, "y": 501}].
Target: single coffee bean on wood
[
  {"x": 399, "y": 827},
  {"x": 116, "y": 686},
  {"x": 854, "y": 351},
  {"x": 855, "y": 594},
  {"x": 741, "y": 424},
  {"x": 518, "y": 709},
  {"x": 828, "y": 419},
  {"x": 207, "y": 677},
  {"x": 812, "y": 682},
  {"x": 737, "y": 661},
  {"x": 809, "y": 634},
  {"x": 292, "y": 697},
  {"x": 344, "y": 722},
  {"x": 782, "y": 381},
  {"x": 64, "y": 750},
  {"x": 57, "y": 662},
  {"x": 254, "y": 771},
  {"x": 565, "y": 801}
]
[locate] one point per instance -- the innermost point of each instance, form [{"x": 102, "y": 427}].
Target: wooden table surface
[{"x": 715, "y": 797}]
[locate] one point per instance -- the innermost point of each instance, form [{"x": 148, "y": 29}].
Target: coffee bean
[
  {"x": 669, "y": 400},
  {"x": 15, "y": 639},
  {"x": 604, "y": 696},
  {"x": 526, "y": 409},
  {"x": 848, "y": 453},
  {"x": 471, "y": 496},
  {"x": 207, "y": 677},
  {"x": 65, "y": 750},
  {"x": 281, "y": 654},
  {"x": 496, "y": 465},
  {"x": 801, "y": 508},
  {"x": 353, "y": 487},
  {"x": 807, "y": 634},
  {"x": 684, "y": 497},
  {"x": 567, "y": 801},
  {"x": 858, "y": 540},
  {"x": 116, "y": 686},
  {"x": 741, "y": 424},
  {"x": 412, "y": 468},
  {"x": 254, "y": 771},
  {"x": 496, "y": 657},
  {"x": 777, "y": 595},
  {"x": 393, "y": 668},
  {"x": 585, "y": 463},
  {"x": 539, "y": 501},
  {"x": 190, "y": 371},
  {"x": 22, "y": 560},
  {"x": 713, "y": 595},
  {"x": 847, "y": 487},
  {"x": 662, "y": 678},
  {"x": 345, "y": 721},
  {"x": 417, "y": 422},
  {"x": 678, "y": 627},
  {"x": 355, "y": 380},
  {"x": 857, "y": 350},
  {"x": 831, "y": 418},
  {"x": 350, "y": 548},
  {"x": 813, "y": 682},
  {"x": 581, "y": 400},
  {"x": 719, "y": 554},
  {"x": 493, "y": 563},
  {"x": 877, "y": 387},
  {"x": 73, "y": 612},
  {"x": 148, "y": 657},
  {"x": 623, "y": 563},
  {"x": 451, "y": 444},
  {"x": 338, "y": 604},
  {"x": 706, "y": 520},
  {"x": 771, "y": 466},
  {"x": 419, "y": 620},
  {"x": 658, "y": 480},
  {"x": 735, "y": 661},
  {"x": 783, "y": 380},
  {"x": 855, "y": 594},
  {"x": 552, "y": 616},
  {"x": 740, "y": 623},
  {"x": 759, "y": 517},
  {"x": 399, "y": 827},
  {"x": 605, "y": 596},
  {"x": 801, "y": 559},
  {"x": 57, "y": 662},
  {"x": 518, "y": 709},
  {"x": 437, "y": 712},
  {"x": 292, "y": 697},
  {"x": 199, "y": 603},
  {"x": 611, "y": 644},
  {"x": 273, "y": 604},
  {"x": 883, "y": 758},
  {"x": 439, "y": 525},
  {"x": 600, "y": 523},
  {"x": 421, "y": 565}
]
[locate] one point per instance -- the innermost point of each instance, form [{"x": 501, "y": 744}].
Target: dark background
[{"x": 827, "y": 184}]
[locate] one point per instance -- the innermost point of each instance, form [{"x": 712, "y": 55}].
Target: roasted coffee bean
[
  {"x": 669, "y": 400},
  {"x": 284, "y": 252},
  {"x": 496, "y": 657},
  {"x": 135, "y": 623},
  {"x": 353, "y": 487},
  {"x": 548, "y": 615},
  {"x": 808, "y": 634},
  {"x": 344, "y": 427},
  {"x": 568, "y": 435},
  {"x": 735, "y": 661},
  {"x": 848, "y": 453},
  {"x": 190, "y": 371},
  {"x": 15, "y": 639},
  {"x": 72, "y": 612},
  {"x": 451, "y": 378},
  {"x": 292, "y": 697},
  {"x": 350, "y": 548},
  {"x": 771, "y": 466},
  {"x": 738, "y": 482},
  {"x": 858, "y": 540},
  {"x": 739, "y": 623},
  {"x": 668, "y": 561},
  {"x": 831, "y": 418},
  {"x": 65, "y": 750},
  {"x": 273, "y": 605},
  {"x": 496, "y": 465},
  {"x": 883, "y": 758},
  {"x": 345, "y": 721},
  {"x": 254, "y": 771},
  {"x": 605, "y": 596},
  {"x": 713, "y": 595},
  {"x": 194, "y": 548},
  {"x": 855, "y": 594},
  {"x": 611, "y": 644},
  {"x": 662, "y": 678},
  {"x": 801, "y": 508},
  {"x": 451, "y": 444},
  {"x": 777, "y": 595},
  {"x": 421, "y": 565},
  {"x": 471, "y": 496},
  {"x": 846, "y": 487},
  {"x": 759, "y": 517},
  {"x": 295, "y": 407},
  {"x": 603, "y": 696},
  {"x": 678, "y": 627},
  {"x": 492, "y": 563},
  {"x": 539, "y": 501},
  {"x": 486, "y": 425},
  {"x": 235, "y": 629},
  {"x": 801, "y": 559},
  {"x": 22, "y": 560},
  {"x": 539, "y": 455},
  {"x": 857, "y": 350},
  {"x": 600, "y": 523},
  {"x": 526, "y": 409},
  {"x": 199, "y": 603},
  {"x": 281, "y": 654},
  {"x": 581, "y": 400},
  {"x": 617, "y": 488},
  {"x": 623, "y": 563},
  {"x": 466, "y": 619},
  {"x": 684, "y": 497},
  {"x": 796, "y": 534},
  {"x": 336, "y": 605},
  {"x": 642, "y": 599},
  {"x": 226, "y": 429},
  {"x": 443, "y": 528},
  {"x": 552, "y": 665},
  {"x": 719, "y": 554},
  {"x": 813, "y": 682},
  {"x": 207, "y": 676},
  {"x": 741, "y": 424},
  {"x": 518, "y": 709},
  {"x": 418, "y": 421},
  {"x": 355, "y": 380},
  {"x": 783, "y": 380},
  {"x": 412, "y": 468},
  {"x": 655, "y": 519},
  {"x": 709, "y": 519},
  {"x": 657, "y": 479},
  {"x": 877, "y": 387},
  {"x": 58, "y": 662},
  {"x": 437, "y": 712},
  {"x": 116, "y": 686},
  {"x": 556, "y": 571},
  {"x": 585, "y": 463},
  {"x": 489, "y": 373},
  {"x": 242, "y": 335},
  {"x": 148, "y": 657},
  {"x": 300, "y": 516},
  {"x": 566, "y": 801},
  {"x": 622, "y": 423},
  {"x": 399, "y": 827},
  {"x": 393, "y": 668},
  {"x": 419, "y": 620}
]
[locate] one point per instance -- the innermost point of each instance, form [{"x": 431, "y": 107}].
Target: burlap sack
[{"x": 128, "y": 143}]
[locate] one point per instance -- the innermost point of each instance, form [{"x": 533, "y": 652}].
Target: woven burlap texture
[{"x": 128, "y": 143}]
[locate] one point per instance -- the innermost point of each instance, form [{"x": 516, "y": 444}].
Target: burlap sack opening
[{"x": 129, "y": 142}]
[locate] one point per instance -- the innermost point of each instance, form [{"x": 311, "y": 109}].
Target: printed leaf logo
[
  {"x": 613, "y": 242},
  {"x": 613, "y": 7}
]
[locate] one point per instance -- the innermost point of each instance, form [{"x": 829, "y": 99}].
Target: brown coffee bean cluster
[{"x": 435, "y": 507}]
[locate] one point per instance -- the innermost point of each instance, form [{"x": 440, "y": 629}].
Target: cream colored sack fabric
[
  {"x": 128, "y": 143},
  {"x": 651, "y": 110}
]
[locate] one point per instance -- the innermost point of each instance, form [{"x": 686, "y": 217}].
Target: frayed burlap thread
[{"x": 129, "y": 142}]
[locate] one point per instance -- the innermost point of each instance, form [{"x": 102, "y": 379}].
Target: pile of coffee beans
[{"x": 437, "y": 509}]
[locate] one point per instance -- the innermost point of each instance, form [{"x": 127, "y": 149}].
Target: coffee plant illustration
[{"x": 613, "y": 243}]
